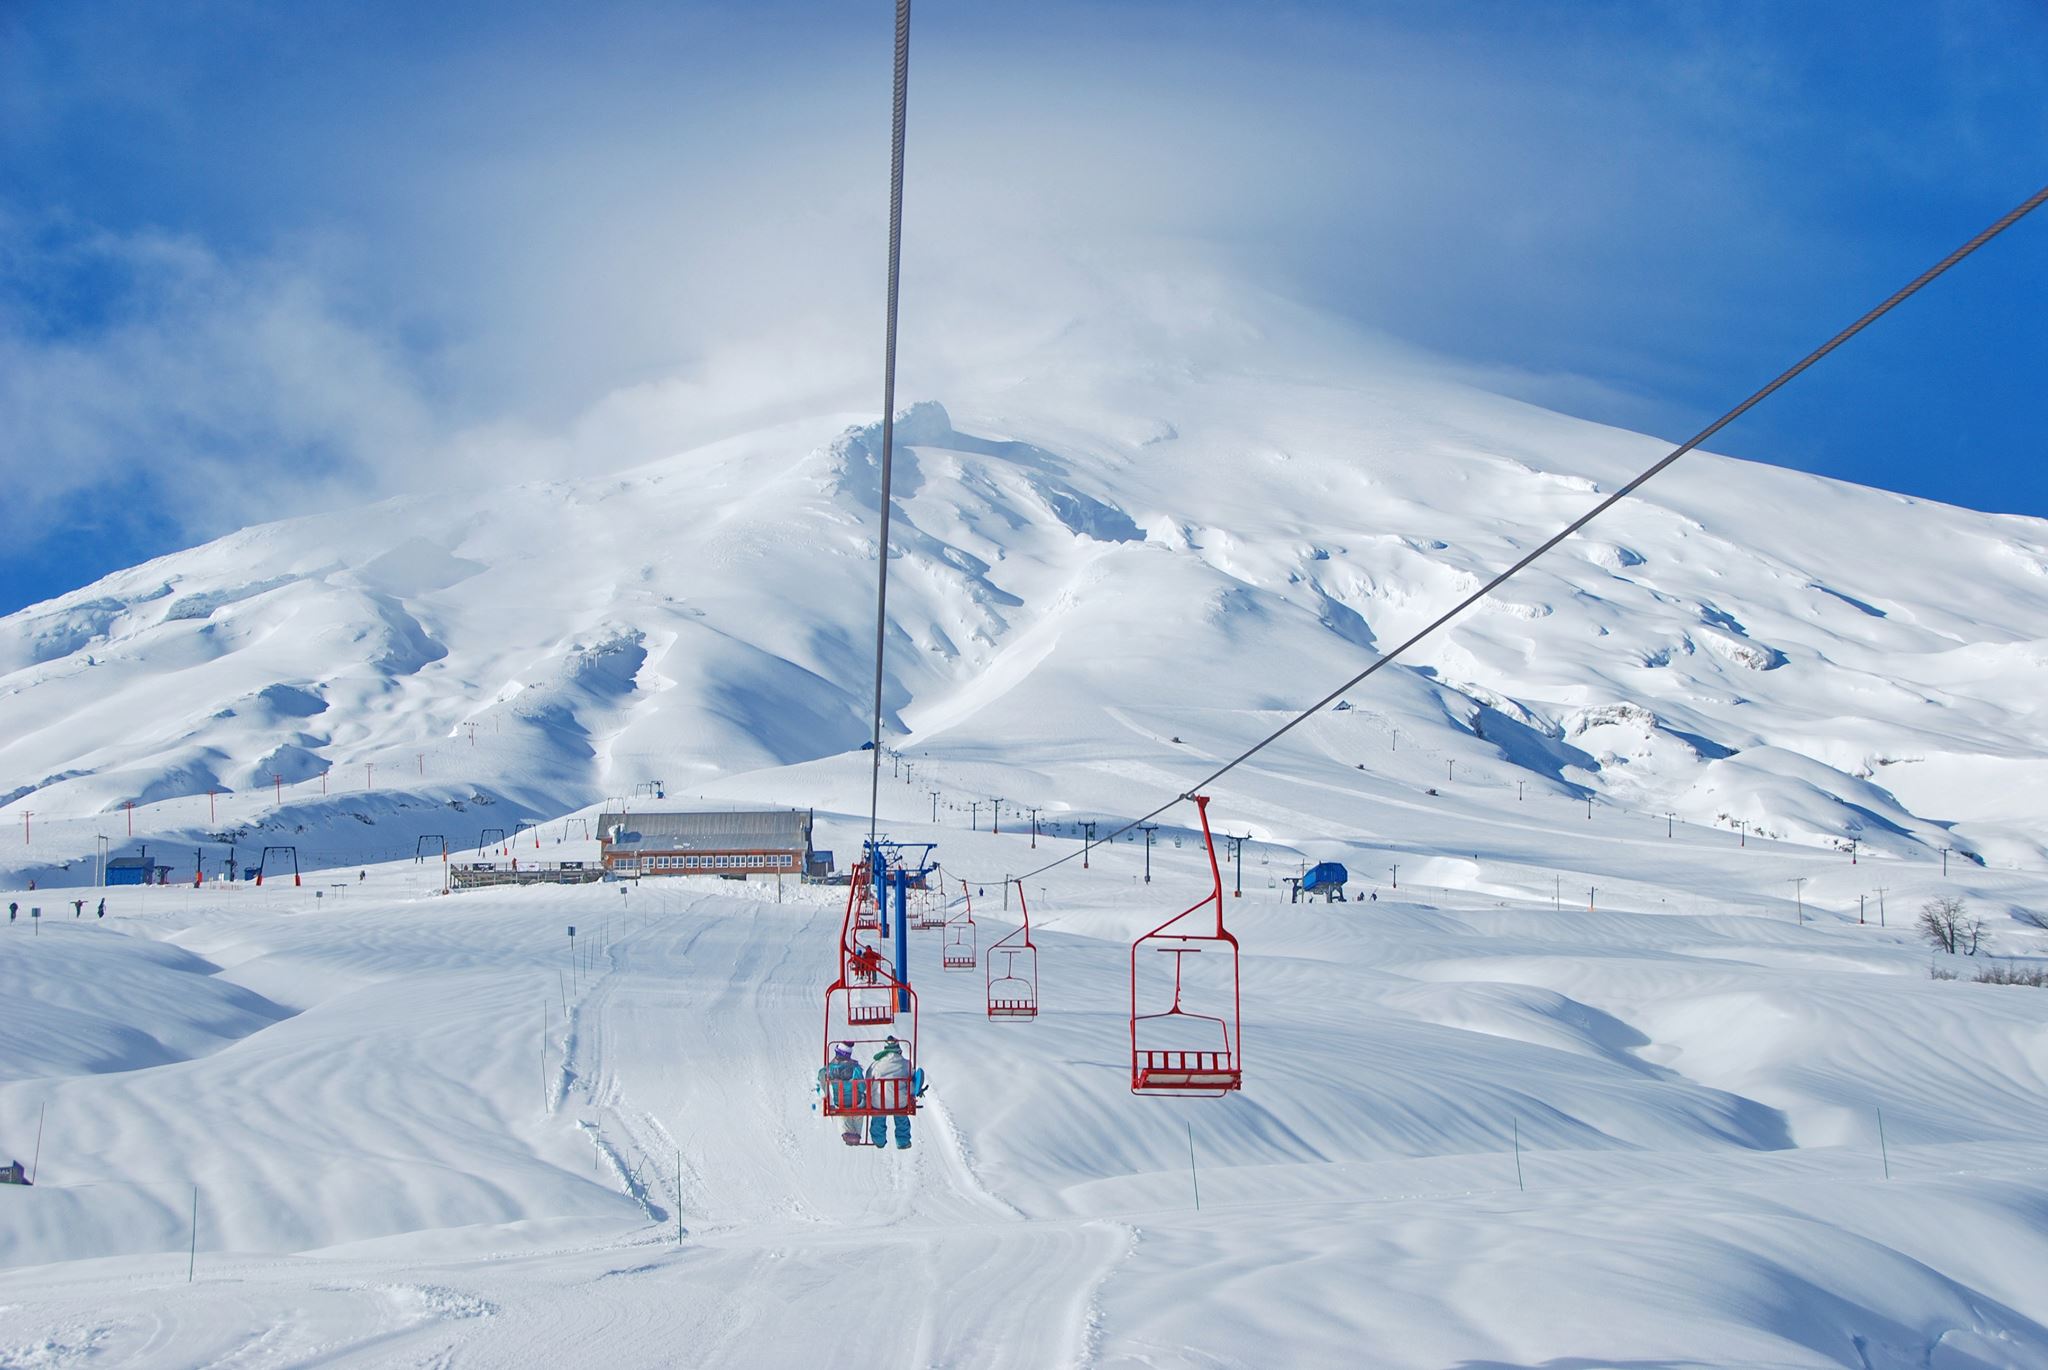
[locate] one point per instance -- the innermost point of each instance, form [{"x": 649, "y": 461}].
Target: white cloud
[{"x": 526, "y": 248}]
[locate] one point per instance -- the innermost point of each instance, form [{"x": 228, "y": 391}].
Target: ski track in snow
[{"x": 1359, "y": 1203}]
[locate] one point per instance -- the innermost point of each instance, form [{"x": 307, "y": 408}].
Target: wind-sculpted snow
[
  {"x": 1476, "y": 1130},
  {"x": 94, "y": 1001}
]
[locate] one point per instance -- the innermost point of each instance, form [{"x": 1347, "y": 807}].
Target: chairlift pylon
[
  {"x": 1014, "y": 993},
  {"x": 1179, "y": 1050}
]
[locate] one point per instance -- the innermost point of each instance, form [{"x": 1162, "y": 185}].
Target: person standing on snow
[
  {"x": 891, "y": 1064},
  {"x": 839, "y": 1080},
  {"x": 103, "y": 908}
]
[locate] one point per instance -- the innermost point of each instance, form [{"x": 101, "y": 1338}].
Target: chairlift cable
[
  {"x": 1784, "y": 378},
  {"x": 889, "y": 396}
]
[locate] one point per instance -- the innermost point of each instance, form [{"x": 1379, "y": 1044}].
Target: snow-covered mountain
[
  {"x": 1570, "y": 1083},
  {"x": 1090, "y": 558}
]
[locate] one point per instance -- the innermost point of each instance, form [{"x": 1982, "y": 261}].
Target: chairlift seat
[
  {"x": 1182, "y": 1049},
  {"x": 1185, "y": 1072},
  {"x": 870, "y": 1099},
  {"x": 1013, "y": 984}
]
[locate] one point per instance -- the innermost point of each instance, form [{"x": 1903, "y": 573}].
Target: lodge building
[{"x": 733, "y": 844}]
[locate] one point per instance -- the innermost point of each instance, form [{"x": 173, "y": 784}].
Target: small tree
[{"x": 1948, "y": 925}]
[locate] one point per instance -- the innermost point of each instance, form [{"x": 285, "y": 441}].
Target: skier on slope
[
  {"x": 837, "y": 1079},
  {"x": 891, "y": 1064}
]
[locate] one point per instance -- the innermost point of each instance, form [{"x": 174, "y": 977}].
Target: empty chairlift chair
[
  {"x": 957, "y": 951},
  {"x": 928, "y": 903},
  {"x": 867, "y": 912},
  {"x": 1189, "y": 1047},
  {"x": 1014, "y": 992}
]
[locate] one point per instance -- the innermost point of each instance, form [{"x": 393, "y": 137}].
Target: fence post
[
  {"x": 192, "y": 1254},
  {"x": 1517, "y": 1126},
  {"x": 1193, "y": 1178}
]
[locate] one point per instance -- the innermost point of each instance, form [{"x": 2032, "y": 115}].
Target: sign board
[
  {"x": 483, "y": 865},
  {"x": 572, "y": 865},
  {"x": 572, "y": 929}
]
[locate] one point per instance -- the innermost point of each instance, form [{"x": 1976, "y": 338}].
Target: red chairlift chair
[
  {"x": 957, "y": 952},
  {"x": 928, "y": 908},
  {"x": 867, "y": 913},
  {"x": 1014, "y": 993},
  {"x": 1177, "y": 1051},
  {"x": 867, "y": 987}
]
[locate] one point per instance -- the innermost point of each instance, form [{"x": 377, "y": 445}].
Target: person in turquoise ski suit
[
  {"x": 891, "y": 1064},
  {"x": 838, "y": 1080}
]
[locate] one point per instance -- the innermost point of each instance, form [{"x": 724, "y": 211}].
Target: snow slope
[
  {"x": 1475, "y": 1132},
  {"x": 1188, "y": 542},
  {"x": 1598, "y": 1079}
]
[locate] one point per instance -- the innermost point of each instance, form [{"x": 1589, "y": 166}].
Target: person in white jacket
[{"x": 890, "y": 1064}]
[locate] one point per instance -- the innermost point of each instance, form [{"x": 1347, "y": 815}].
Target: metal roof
[{"x": 743, "y": 830}]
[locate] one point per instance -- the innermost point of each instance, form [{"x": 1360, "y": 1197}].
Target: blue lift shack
[{"x": 1325, "y": 878}]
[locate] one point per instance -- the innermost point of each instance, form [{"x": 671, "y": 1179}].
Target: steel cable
[{"x": 889, "y": 397}]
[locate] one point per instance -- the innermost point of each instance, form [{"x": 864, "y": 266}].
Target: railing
[
  {"x": 1176, "y": 1069},
  {"x": 868, "y": 1098}
]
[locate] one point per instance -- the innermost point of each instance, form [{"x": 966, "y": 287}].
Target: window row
[{"x": 756, "y": 861}]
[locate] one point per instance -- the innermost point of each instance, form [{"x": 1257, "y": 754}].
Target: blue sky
[{"x": 257, "y": 258}]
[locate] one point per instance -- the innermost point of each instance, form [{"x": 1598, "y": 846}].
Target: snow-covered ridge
[{"x": 1737, "y": 641}]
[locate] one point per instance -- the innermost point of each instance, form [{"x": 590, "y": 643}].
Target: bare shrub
[
  {"x": 2031, "y": 919},
  {"x": 1948, "y": 925},
  {"x": 1935, "y": 972},
  {"x": 2013, "y": 973}
]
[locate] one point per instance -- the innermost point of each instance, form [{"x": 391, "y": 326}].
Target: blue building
[{"x": 136, "y": 870}]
